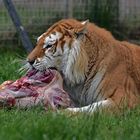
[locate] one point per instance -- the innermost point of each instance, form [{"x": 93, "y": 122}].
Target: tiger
[{"x": 99, "y": 71}]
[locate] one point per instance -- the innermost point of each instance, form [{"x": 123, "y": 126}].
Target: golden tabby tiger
[{"x": 99, "y": 71}]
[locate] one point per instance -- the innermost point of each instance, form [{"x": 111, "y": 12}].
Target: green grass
[
  {"x": 9, "y": 57},
  {"x": 36, "y": 124}
]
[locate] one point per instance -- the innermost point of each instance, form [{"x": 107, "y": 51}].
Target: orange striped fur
[{"x": 95, "y": 66}]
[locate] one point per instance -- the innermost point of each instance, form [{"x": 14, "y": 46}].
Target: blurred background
[{"x": 121, "y": 17}]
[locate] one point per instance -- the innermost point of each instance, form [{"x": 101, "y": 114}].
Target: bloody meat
[{"x": 35, "y": 89}]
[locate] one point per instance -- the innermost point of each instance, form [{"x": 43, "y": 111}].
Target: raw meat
[{"x": 35, "y": 89}]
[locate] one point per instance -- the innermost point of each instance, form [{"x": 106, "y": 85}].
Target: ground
[{"x": 37, "y": 124}]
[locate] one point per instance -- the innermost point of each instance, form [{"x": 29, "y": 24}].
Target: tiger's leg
[{"x": 107, "y": 104}]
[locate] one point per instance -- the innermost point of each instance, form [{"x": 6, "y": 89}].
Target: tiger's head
[{"x": 62, "y": 47}]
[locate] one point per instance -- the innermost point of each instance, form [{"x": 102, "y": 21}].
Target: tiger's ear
[
  {"x": 83, "y": 29},
  {"x": 85, "y": 22}
]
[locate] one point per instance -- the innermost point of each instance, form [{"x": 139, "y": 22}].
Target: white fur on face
[
  {"x": 51, "y": 39},
  {"x": 48, "y": 60}
]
